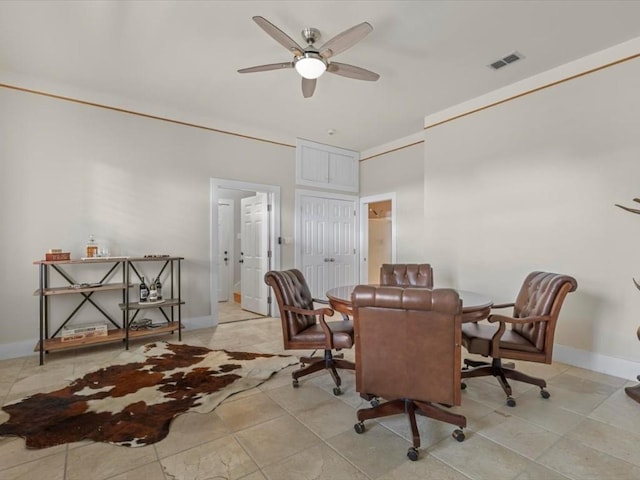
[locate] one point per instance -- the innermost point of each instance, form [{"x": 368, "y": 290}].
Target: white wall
[
  {"x": 402, "y": 172},
  {"x": 68, "y": 170},
  {"x": 530, "y": 184}
]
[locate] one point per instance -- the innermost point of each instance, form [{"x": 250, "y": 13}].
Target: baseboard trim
[
  {"x": 618, "y": 367},
  {"x": 18, "y": 349}
]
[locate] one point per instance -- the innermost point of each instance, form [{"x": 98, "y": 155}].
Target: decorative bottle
[
  {"x": 153, "y": 293},
  {"x": 143, "y": 291},
  {"x": 158, "y": 286},
  {"x": 92, "y": 247}
]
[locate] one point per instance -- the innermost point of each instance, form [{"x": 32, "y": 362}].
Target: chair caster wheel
[
  {"x": 511, "y": 401},
  {"x": 375, "y": 402},
  {"x": 413, "y": 454},
  {"x": 463, "y": 386},
  {"x": 337, "y": 391},
  {"x": 359, "y": 427},
  {"x": 295, "y": 384},
  {"x": 544, "y": 394},
  {"x": 458, "y": 435}
]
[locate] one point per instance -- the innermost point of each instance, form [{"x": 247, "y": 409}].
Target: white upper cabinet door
[{"x": 319, "y": 165}]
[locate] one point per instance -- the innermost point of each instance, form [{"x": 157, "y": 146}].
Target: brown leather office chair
[
  {"x": 304, "y": 327},
  {"x": 530, "y": 337},
  {"x": 406, "y": 275},
  {"x": 408, "y": 352}
]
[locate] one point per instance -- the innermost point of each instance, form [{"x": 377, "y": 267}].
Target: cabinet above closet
[{"x": 326, "y": 167}]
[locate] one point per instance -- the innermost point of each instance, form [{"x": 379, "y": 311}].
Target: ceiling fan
[{"x": 311, "y": 62}]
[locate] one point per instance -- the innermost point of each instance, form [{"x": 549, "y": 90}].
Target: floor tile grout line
[{"x": 324, "y": 441}]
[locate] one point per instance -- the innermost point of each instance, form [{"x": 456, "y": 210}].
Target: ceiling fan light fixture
[{"x": 310, "y": 65}]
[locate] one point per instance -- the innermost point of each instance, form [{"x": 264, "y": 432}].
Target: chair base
[
  {"x": 502, "y": 372},
  {"x": 633, "y": 392},
  {"x": 411, "y": 408},
  {"x": 329, "y": 362}
]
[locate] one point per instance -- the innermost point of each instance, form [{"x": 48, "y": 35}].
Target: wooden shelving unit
[{"x": 121, "y": 330}]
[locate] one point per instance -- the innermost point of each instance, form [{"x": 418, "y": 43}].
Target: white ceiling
[{"x": 180, "y": 58}]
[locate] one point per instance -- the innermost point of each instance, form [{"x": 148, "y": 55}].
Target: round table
[{"x": 475, "y": 306}]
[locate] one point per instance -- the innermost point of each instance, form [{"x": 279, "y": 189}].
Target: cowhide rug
[{"x": 133, "y": 401}]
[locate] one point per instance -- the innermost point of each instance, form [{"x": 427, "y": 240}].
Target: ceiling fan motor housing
[{"x": 311, "y": 35}]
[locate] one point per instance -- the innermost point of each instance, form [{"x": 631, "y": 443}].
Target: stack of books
[
  {"x": 56, "y": 254},
  {"x": 84, "y": 331}
]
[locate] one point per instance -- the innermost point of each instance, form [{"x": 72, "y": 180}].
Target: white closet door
[
  {"x": 327, "y": 243},
  {"x": 315, "y": 255},
  {"x": 342, "y": 245},
  {"x": 254, "y": 255}
]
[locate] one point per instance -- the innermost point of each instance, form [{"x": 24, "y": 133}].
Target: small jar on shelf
[{"x": 92, "y": 247}]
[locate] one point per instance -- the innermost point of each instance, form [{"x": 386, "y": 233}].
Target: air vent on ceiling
[{"x": 504, "y": 61}]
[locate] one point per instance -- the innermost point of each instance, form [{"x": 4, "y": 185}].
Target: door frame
[
  {"x": 231, "y": 202},
  {"x": 273, "y": 192},
  {"x": 364, "y": 230}
]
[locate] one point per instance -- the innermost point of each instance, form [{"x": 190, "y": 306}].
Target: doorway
[
  {"x": 378, "y": 235},
  {"x": 245, "y": 220}
]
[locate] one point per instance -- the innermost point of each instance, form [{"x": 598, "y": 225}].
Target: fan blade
[
  {"x": 308, "y": 87},
  {"x": 264, "y": 68},
  {"x": 345, "y": 40},
  {"x": 279, "y": 36},
  {"x": 352, "y": 71}
]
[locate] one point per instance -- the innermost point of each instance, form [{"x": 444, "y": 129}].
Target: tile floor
[
  {"x": 588, "y": 429},
  {"x": 232, "y": 312}
]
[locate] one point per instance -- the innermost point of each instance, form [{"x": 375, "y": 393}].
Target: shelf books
[{"x": 84, "y": 331}]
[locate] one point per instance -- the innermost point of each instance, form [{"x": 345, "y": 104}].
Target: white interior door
[
  {"x": 342, "y": 243},
  {"x": 225, "y": 249},
  {"x": 254, "y": 253},
  {"x": 315, "y": 256},
  {"x": 327, "y": 243}
]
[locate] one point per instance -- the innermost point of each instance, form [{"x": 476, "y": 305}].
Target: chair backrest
[
  {"x": 542, "y": 293},
  {"x": 408, "y": 343},
  {"x": 406, "y": 275},
  {"x": 291, "y": 289}
]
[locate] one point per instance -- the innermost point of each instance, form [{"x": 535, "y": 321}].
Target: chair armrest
[
  {"x": 502, "y": 305},
  {"x": 304, "y": 311},
  {"x": 505, "y": 319}
]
